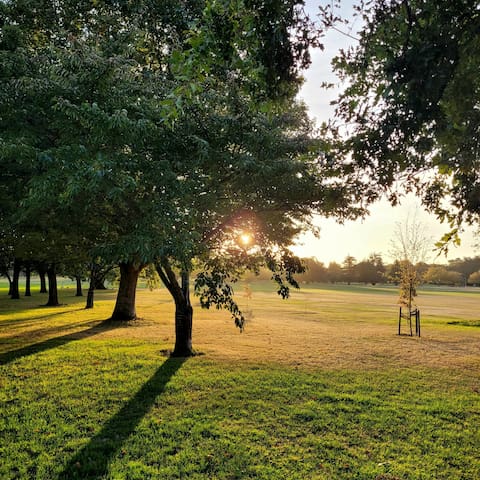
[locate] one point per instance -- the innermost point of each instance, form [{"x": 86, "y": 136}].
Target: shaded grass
[
  {"x": 94, "y": 458},
  {"x": 79, "y": 399},
  {"x": 465, "y": 323},
  {"x": 54, "y": 342}
]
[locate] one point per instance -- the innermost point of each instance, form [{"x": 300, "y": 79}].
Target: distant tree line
[{"x": 372, "y": 270}]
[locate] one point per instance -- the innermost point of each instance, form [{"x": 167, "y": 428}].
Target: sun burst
[{"x": 246, "y": 239}]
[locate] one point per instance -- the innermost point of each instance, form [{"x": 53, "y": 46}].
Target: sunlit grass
[{"x": 318, "y": 387}]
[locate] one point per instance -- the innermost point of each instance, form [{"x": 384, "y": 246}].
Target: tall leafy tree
[
  {"x": 260, "y": 177},
  {"x": 165, "y": 132}
]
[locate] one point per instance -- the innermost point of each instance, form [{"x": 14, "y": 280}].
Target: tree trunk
[
  {"x": 28, "y": 272},
  {"x": 43, "y": 283},
  {"x": 79, "y": 292},
  {"x": 100, "y": 284},
  {"x": 125, "y": 304},
  {"x": 90, "y": 296},
  {"x": 14, "y": 290},
  {"x": 52, "y": 287},
  {"x": 183, "y": 307},
  {"x": 183, "y": 330},
  {"x": 91, "y": 288},
  {"x": 183, "y": 320}
]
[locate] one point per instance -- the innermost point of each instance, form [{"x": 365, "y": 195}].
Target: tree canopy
[
  {"x": 411, "y": 104},
  {"x": 160, "y": 133}
]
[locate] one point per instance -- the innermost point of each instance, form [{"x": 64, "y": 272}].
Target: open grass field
[{"x": 317, "y": 387}]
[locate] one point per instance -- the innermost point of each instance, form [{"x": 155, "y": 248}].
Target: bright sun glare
[{"x": 245, "y": 238}]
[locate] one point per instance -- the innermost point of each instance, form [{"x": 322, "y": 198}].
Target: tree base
[
  {"x": 122, "y": 317},
  {"x": 184, "y": 353}
]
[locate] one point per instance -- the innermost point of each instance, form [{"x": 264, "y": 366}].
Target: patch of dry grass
[{"x": 329, "y": 328}]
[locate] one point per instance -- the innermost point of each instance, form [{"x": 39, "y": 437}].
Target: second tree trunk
[{"x": 125, "y": 304}]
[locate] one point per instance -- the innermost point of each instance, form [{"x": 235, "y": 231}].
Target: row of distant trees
[{"x": 372, "y": 270}]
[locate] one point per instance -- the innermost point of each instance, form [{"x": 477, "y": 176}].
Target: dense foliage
[
  {"x": 411, "y": 104},
  {"x": 140, "y": 133}
]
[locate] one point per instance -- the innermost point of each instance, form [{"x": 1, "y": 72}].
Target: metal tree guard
[{"x": 411, "y": 313}]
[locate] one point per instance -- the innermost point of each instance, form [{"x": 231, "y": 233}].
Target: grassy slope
[{"x": 318, "y": 387}]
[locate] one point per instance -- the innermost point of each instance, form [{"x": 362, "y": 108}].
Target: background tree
[
  {"x": 474, "y": 278},
  {"x": 348, "y": 267},
  {"x": 465, "y": 266},
  {"x": 440, "y": 275},
  {"x": 335, "y": 272},
  {"x": 315, "y": 271},
  {"x": 409, "y": 247},
  {"x": 371, "y": 270},
  {"x": 394, "y": 272},
  {"x": 421, "y": 268}
]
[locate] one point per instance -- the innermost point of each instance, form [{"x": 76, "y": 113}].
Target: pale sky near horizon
[{"x": 374, "y": 234}]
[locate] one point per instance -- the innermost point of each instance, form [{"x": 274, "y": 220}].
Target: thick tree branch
[
  {"x": 168, "y": 277},
  {"x": 163, "y": 277}
]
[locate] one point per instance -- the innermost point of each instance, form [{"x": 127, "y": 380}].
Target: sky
[{"x": 376, "y": 232}]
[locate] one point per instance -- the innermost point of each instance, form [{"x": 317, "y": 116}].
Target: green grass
[{"x": 82, "y": 398}]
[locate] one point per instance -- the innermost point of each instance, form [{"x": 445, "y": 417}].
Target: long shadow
[
  {"x": 21, "y": 322},
  {"x": 93, "y": 460},
  {"x": 32, "y": 319},
  {"x": 41, "y": 333},
  {"x": 55, "y": 342}
]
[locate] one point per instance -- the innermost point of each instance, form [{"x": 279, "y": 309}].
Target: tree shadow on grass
[
  {"x": 39, "y": 334},
  {"x": 55, "y": 342},
  {"x": 93, "y": 460},
  {"x": 21, "y": 322}
]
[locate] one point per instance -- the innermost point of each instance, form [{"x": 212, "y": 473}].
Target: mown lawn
[{"x": 311, "y": 390}]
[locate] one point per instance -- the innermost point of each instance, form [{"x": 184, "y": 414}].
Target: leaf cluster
[{"x": 411, "y": 104}]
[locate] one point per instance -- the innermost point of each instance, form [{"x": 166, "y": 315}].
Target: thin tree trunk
[
  {"x": 125, "y": 304},
  {"x": 90, "y": 296},
  {"x": 43, "y": 283},
  {"x": 28, "y": 272},
  {"x": 15, "y": 292},
  {"x": 79, "y": 292},
  {"x": 52, "y": 286},
  {"x": 91, "y": 288}
]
